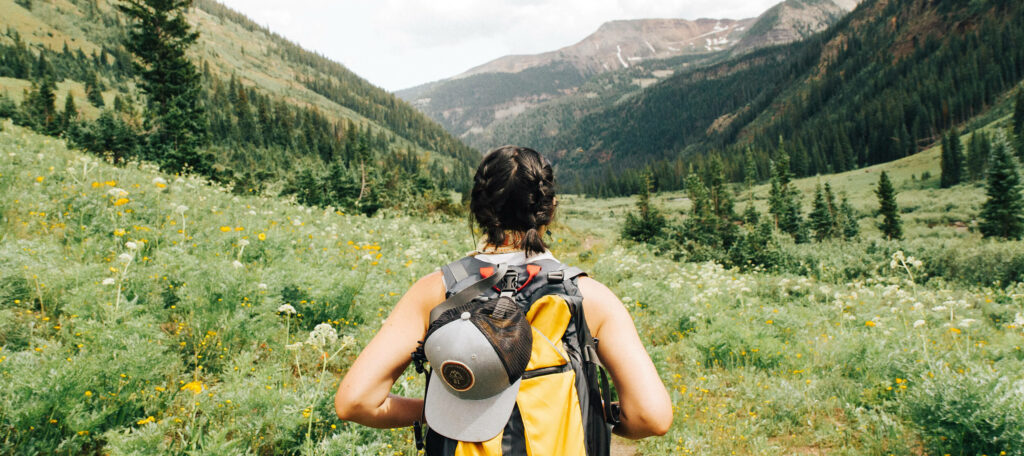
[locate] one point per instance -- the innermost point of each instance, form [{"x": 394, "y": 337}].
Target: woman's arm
[
  {"x": 646, "y": 407},
  {"x": 364, "y": 394}
]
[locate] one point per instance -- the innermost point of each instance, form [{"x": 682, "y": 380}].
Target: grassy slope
[
  {"x": 756, "y": 363},
  {"x": 225, "y": 45}
]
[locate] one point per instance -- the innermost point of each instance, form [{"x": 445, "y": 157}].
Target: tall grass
[{"x": 143, "y": 313}]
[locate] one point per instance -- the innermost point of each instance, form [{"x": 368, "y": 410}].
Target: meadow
[{"x": 143, "y": 313}]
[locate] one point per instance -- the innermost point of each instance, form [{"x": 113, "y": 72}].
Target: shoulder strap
[{"x": 469, "y": 292}]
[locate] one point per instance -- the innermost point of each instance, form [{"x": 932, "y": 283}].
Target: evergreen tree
[
  {"x": 93, "y": 93},
  {"x": 647, "y": 223},
  {"x": 1001, "y": 214},
  {"x": 822, "y": 221},
  {"x": 1018, "y": 122},
  {"x": 69, "y": 114},
  {"x": 952, "y": 160},
  {"x": 891, "y": 224},
  {"x": 39, "y": 109},
  {"x": 784, "y": 199},
  {"x": 159, "y": 37},
  {"x": 977, "y": 155},
  {"x": 847, "y": 220}
]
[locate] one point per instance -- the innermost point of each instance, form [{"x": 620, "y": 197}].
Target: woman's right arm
[
  {"x": 646, "y": 409},
  {"x": 364, "y": 394}
]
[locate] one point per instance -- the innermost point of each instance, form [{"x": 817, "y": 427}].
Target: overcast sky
[{"x": 397, "y": 44}]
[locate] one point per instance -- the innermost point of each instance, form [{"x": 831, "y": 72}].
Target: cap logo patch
[{"x": 457, "y": 375}]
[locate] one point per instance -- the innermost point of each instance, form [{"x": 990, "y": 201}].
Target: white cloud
[{"x": 401, "y": 43}]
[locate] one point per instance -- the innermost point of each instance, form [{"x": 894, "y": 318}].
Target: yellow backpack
[{"x": 564, "y": 405}]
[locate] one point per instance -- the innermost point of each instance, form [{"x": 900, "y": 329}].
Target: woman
[{"x": 513, "y": 201}]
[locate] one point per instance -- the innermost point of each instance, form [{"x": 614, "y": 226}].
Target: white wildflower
[
  {"x": 108, "y": 281},
  {"x": 1018, "y": 319},
  {"x": 286, "y": 309},
  {"x": 243, "y": 242},
  {"x": 159, "y": 181},
  {"x": 967, "y": 322},
  {"x": 296, "y": 222},
  {"x": 293, "y": 347},
  {"x": 180, "y": 209},
  {"x": 919, "y": 323},
  {"x": 322, "y": 335},
  {"x": 124, "y": 257},
  {"x": 939, "y": 308},
  {"x": 261, "y": 286},
  {"x": 131, "y": 245},
  {"x": 116, "y": 193},
  {"x": 236, "y": 264}
]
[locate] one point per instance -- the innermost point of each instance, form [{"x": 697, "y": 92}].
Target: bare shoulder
[
  {"x": 599, "y": 303},
  {"x": 421, "y": 297}
]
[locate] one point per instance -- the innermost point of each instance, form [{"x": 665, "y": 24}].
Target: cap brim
[{"x": 467, "y": 420}]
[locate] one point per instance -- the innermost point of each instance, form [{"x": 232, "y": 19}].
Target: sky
[{"x": 397, "y": 44}]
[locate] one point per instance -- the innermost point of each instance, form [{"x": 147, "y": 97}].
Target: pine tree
[
  {"x": 159, "y": 37},
  {"x": 1001, "y": 214},
  {"x": 1018, "y": 122},
  {"x": 93, "y": 93},
  {"x": 648, "y": 223},
  {"x": 847, "y": 220},
  {"x": 977, "y": 155},
  {"x": 70, "y": 112},
  {"x": 952, "y": 160},
  {"x": 39, "y": 110},
  {"x": 784, "y": 199},
  {"x": 821, "y": 219},
  {"x": 891, "y": 224}
]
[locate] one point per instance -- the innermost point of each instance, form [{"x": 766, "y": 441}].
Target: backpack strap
[{"x": 469, "y": 293}]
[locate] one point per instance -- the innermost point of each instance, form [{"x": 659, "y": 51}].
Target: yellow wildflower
[{"x": 195, "y": 387}]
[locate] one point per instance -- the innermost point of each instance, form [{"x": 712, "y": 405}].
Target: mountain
[
  {"x": 470, "y": 102},
  {"x": 276, "y": 111},
  {"x": 792, "y": 20},
  {"x": 524, "y": 98},
  {"x": 880, "y": 84}
]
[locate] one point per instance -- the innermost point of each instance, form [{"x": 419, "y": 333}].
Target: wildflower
[
  {"x": 261, "y": 286},
  {"x": 124, "y": 257},
  {"x": 195, "y": 387},
  {"x": 236, "y": 264},
  {"x": 322, "y": 335},
  {"x": 180, "y": 209},
  {"x": 225, "y": 229},
  {"x": 293, "y": 347},
  {"x": 146, "y": 420},
  {"x": 967, "y": 322},
  {"x": 939, "y": 308},
  {"x": 88, "y": 393},
  {"x": 955, "y": 330},
  {"x": 119, "y": 232},
  {"x": 919, "y": 323},
  {"x": 117, "y": 193},
  {"x": 243, "y": 242},
  {"x": 869, "y": 324},
  {"x": 262, "y": 236},
  {"x": 108, "y": 281},
  {"x": 286, "y": 309},
  {"x": 159, "y": 182},
  {"x": 131, "y": 245}
]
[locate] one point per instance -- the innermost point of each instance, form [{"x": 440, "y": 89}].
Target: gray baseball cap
[{"x": 477, "y": 357}]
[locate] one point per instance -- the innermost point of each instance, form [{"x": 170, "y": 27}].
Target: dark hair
[{"x": 514, "y": 189}]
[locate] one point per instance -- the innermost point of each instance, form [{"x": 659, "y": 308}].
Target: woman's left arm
[{"x": 364, "y": 394}]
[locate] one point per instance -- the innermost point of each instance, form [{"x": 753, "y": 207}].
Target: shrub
[{"x": 977, "y": 412}]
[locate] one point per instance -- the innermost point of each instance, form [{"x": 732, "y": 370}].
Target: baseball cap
[{"x": 477, "y": 353}]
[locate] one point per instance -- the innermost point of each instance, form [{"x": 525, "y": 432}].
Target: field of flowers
[{"x": 142, "y": 313}]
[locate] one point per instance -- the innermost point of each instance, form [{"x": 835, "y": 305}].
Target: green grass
[{"x": 174, "y": 348}]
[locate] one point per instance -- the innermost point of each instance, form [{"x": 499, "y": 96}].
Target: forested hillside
[
  {"x": 881, "y": 84},
  {"x": 277, "y": 116}
]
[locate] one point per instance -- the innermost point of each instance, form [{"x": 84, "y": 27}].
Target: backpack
[{"x": 564, "y": 405}]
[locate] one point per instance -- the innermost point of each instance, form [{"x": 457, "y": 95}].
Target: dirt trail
[{"x": 623, "y": 447}]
